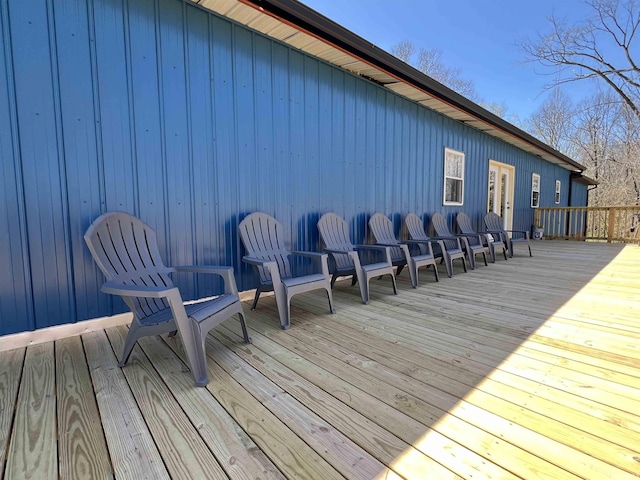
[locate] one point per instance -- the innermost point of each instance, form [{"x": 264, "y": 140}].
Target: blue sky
[{"x": 478, "y": 36}]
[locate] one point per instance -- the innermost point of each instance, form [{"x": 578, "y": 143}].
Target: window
[
  {"x": 453, "y": 177},
  {"x": 535, "y": 190},
  {"x": 557, "y": 197}
]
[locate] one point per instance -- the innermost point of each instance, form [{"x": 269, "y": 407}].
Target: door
[{"x": 500, "y": 196}]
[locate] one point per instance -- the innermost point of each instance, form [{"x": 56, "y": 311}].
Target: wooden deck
[{"x": 528, "y": 368}]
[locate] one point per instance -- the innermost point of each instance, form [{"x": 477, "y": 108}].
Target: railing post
[{"x": 612, "y": 224}]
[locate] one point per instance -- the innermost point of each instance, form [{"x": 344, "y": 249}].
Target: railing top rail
[{"x": 624, "y": 207}]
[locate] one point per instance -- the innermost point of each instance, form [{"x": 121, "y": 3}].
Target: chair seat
[
  {"x": 202, "y": 310},
  {"x": 198, "y": 311},
  {"x": 295, "y": 281},
  {"x": 372, "y": 267},
  {"x": 520, "y": 239},
  {"x": 423, "y": 258}
]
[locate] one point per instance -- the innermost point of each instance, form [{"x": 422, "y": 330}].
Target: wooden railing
[{"x": 610, "y": 224}]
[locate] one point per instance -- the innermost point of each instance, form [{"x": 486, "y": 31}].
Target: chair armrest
[
  {"x": 225, "y": 272},
  {"x": 384, "y": 249},
  {"x": 524, "y": 232},
  {"x": 388, "y": 244},
  {"x": 308, "y": 254},
  {"x": 116, "y": 288},
  {"x": 323, "y": 257},
  {"x": 336, "y": 251},
  {"x": 421, "y": 242}
]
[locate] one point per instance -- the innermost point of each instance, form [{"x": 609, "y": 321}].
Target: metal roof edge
[{"x": 304, "y": 17}]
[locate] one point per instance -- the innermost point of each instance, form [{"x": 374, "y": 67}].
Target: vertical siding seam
[
  {"x": 18, "y": 164},
  {"x": 62, "y": 164},
  {"x": 214, "y": 152},
  {"x": 190, "y": 159},
  {"x": 97, "y": 111},
  {"x": 236, "y": 163},
  {"x": 126, "y": 29},
  {"x": 163, "y": 131}
]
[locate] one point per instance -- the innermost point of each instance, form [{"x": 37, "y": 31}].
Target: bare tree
[
  {"x": 553, "y": 122},
  {"x": 430, "y": 62},
  {"x": 577, "y": 52}
]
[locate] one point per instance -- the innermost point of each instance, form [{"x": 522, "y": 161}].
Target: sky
[{"x": 478, "y": 36}]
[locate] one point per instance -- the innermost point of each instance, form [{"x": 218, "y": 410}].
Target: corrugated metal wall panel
[
  {"x": 191, "y": 122},
  {"x": 16, "y": 309}
]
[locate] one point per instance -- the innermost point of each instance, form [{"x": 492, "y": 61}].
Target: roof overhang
[
  {"x": 578, "y": 177},
  {"x": 299, "y": 26}
]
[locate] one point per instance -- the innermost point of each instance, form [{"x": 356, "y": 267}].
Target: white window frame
[
  {"x": 450, "y": 153},
  {"x": 534, "y": 203},
  {"x": 557, "y": 196}
]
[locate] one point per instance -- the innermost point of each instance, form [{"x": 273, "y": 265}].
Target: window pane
[
  {"x": 535, "y": 198},
  {"x": 453, "y": 166},
  {"x": 453, "y": 190}
]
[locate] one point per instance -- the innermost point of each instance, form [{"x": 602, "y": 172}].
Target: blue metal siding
[{"x": 189, "y": 121}]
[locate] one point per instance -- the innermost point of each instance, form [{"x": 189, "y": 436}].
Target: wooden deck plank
[
  {"x": 344, "y": 455},
  {"x": 82, "y": 448},
  {"x": 380, "y": 443},
  {"x": 10, "y": 372},
  {"x": 293, "y": 457},
  {"x": 524, "y": 463},
  {"x": 185, "y": 454},
  {"x": 464, "y": 462},
  {"x": 33, "y": 449},
  {"x": 132, "y": 449},
  {"x": 240, "y": 457}
]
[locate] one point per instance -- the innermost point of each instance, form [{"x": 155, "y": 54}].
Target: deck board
[{"x": 526, "y": 368}]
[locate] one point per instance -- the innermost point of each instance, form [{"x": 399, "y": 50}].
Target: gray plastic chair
[
  {"x": 382, "y": 230},
  {"x": 126, "y": 251},
  {"x": 442, "y": 230},
  {"x": 465, "y": 227},
  {"x": 495, "y": 226},
  {"x": 334, "y": 233},
  {"x": 450, "y": 248},
  {"x": 263, "y": 239}
]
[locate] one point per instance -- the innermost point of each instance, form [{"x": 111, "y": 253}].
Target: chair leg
[
  {"x": 243, "y": 324},
  {"x": 472, "y": 259},
  {"x": 448, "y": 263},
  {"x": 330, "y": 297},
  {"x": 255, "y": 300},
  {"x": 395, "y": 286},
  {"x": 484, "y": 255},
  {"x": 464, "y": 264},
  {"x": 400, "y": 267},
  {"x": 492, "y": 253},
  {"x": 529, "y": 247},
  {"x": 435, "y": 271},
  {"x": 354, "y": 280},
  {"x": 333, "y": 279}
]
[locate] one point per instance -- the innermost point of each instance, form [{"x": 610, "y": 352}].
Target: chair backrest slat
[
  {"x": 382, "y": 230},
  {"x": 334, "y": 233},
  {"x": 442, "y": 230},
  {"x": 263, "y": 238},
  {"x": 415, "y": 227}
]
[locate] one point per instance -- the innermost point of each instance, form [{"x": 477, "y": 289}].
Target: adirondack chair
[
  {"x": 263, "y": 239},
  {"x": 334, "y": 233},
  {"x": 495, "y": 226},
  {"x": 450, "y": 248},
  {"x": 465, "y": 227},
  {"x": 126, "y": 251},
  {"x": 442, "y": 230},
  {"x": 382, "y": 230}
]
